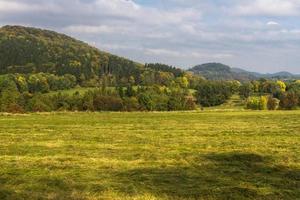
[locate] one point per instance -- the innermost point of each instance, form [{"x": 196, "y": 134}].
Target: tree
[
  {"x": 130, "y": 91},
  {"x": 38, "y": 83},
  {"x": 107, "y": 103},
  {"x": 9, "y": 93},
  {"x": 257, "y": 103},
  {"x": 213, "y": 93},
  {"x": 88, "y": 101},
  {"x": 289, "y": 100},
  {"x": 273, "y": 103},
  {"x": 263, "y": 103},
  {"x": 39, "y": 103},
  {"x": 246, "y": 90},
  {"x": 281, "y": 85},
  {"x": 130, "y": 104},
  {"x": 183, "y": 82},
  {"x": 21, "y": 82},
  {"x": 235, "y": 86}
]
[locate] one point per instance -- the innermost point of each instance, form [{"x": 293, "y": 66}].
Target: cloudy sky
[{"x": 257, "y": 35}]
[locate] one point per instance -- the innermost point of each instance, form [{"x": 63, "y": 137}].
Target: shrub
[
  {"x": 130, "y": 104},
  {"x": 273, "y": 103},
  {"x": 36, "y": 104},
  {"x": 61, "y": 101},
  {"x": 289, "y": 100},
  {"x": 107, "y": 103},
  {"x": 252, "y": 103},
  {"x": 263, "y": 103},
  {"x": 257, "y": 103},
  {"x": 190, "y": 103},
  {"x": 87, "y": 101},
  {"x": 14, "y": 108}
]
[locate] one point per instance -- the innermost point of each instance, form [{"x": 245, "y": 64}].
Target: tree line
[
  {"x": 30, "y": 93},
  {"x": 271, "y": 94},
  {"x": 153, "y": 98}
]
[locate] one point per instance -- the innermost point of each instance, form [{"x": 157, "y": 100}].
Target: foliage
[
  {"x": 257, "y": 103},
  {"x": 31, "y": 51},
  {"x": 213, "y": 93},
  {"x": 273, "y": 103},
  {"x": 246, "y": 90},
  {"x": 218, "y": 71},
  {"x": 289, "y": 100},
  {"x": 165, "y": 68}
]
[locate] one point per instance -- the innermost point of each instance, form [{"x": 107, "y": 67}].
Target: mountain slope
[
  {"x": 218, "y": 71},
  {"x": 28, "y": 50}
]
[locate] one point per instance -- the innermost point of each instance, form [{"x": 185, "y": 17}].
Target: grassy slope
[
  {"x": 234, "y": 103},
  {"x": 208, "y": 155}
]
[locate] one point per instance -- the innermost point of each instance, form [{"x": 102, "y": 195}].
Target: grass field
[{"x": 180, "y": 155}]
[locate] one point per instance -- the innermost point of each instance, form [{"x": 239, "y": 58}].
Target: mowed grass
[{"x": 175, "y": 155}]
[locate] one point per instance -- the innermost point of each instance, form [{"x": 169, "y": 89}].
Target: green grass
[
  {"x": 234, "y": 103},
  {"x": 175, "y": 155}
]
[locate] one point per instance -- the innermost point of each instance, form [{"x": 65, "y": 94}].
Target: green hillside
[{"x": 31, "y": 50}]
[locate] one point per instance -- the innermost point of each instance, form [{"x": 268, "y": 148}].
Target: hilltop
[
  {"x": 31, "y": 50},
  {"x": 28, "y": 50},
  {"x": 219, "y": 71}
]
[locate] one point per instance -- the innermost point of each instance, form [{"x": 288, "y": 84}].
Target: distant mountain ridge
[
  {"x": 219, "y": 71},
  {"x": 32, "y": 50}
]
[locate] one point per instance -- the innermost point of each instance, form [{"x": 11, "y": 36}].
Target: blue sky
[{"x": 256, "y": 35}]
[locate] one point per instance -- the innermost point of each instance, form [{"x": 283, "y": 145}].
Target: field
[{"x": 175, "y": 155}]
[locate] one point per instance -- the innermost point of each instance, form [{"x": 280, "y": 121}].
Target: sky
[{"x": 255, "y": 35}]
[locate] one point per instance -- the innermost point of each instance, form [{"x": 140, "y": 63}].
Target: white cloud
[
  {"x": 272, "y": 23},
  {"x": 12, "y": 6},
  {"x": 187, "y": 55},
  {"x": 163, "y": 52},
  {"x": 178, "y": 32},
  {"x": 269, "y": 8},
  {"x": 86, "y": 29}
]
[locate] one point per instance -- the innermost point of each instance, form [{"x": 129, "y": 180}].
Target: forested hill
[
  {"x": 218, "y": 71},
  {"x": 31, "y": 50}
]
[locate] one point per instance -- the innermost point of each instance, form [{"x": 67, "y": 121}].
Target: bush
[
  {"x": 190, "y": 103},
  {"x": 130, "y": 104},
  {"x": 61, "y": 102},
  {"x": 273, "y": 103},
  {"x": 14, "y": 108},
  {"x": 257, "y": 103},
  {"x": 38, "y": 104},
  {"x": 263, "y": 103},
  {"x": 107, "y": 103},
  {"x": 289, "y": 101},
  {"x": 252, "y": 103}
]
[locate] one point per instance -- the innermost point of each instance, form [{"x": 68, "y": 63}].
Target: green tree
[
  {"x": 246, "y": 90},
  {"x": 213, "y": 93},
  {"x": 289, "y": 100}
]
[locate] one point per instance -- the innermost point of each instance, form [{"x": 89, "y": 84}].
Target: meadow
[{"x": 172, "y": 155}]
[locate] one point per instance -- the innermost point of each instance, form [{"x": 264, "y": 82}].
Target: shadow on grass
[
  {"x": 214, "y": 176},
  {"x": 42, "y": 188},
  {"x": 224, "y": 176}
]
